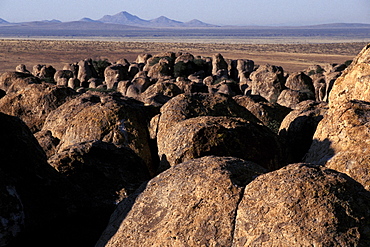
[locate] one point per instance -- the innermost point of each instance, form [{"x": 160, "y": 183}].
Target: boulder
[
  {"x": 14, "y": 81},
  {"x": 291, "y": 98},
  {"x": 109, "y": 117},
  {"x": 44, "y": 71},
  {"x": 33, "y": 103},
  {"x": 143, "y": 58},
  {"x": 115, "y": 73},
  {"x": 218, "y": 63},
  {"x": 185, "y": 106},
  {"x": 161, "y": 70},
  {"x": 222, "y": 136},
  {"x": 159, "y": 93},
  {"x": 61, "y": 77},
  {"x": 341, "y": 140},
  {"x": 270, "y": 114},
  {"x": 105, "y": 172},
  {"x": 192, "y": 204},
  {"x": 72, "y": 67},
  {"x": 268, "y": 81},
  {"x": 299, "y": 81},
  {"x": 303, "y": 205},
  {"x": 298, "y": 127},
  {"x": 22, "y": 69},
  {"x": 86, "y": 71}
]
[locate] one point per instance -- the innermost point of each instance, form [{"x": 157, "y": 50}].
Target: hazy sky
[{"x": 221, "y": 12}]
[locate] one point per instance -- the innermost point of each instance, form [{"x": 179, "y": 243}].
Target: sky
[{"x": 219, "y": 12}]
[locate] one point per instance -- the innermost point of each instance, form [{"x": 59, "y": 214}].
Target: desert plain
[{"x": 292, "y": 57}]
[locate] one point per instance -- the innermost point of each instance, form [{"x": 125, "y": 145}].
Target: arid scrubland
[{"x": 292, "y": 57}]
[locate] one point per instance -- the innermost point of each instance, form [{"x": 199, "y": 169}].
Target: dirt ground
[{"x": 292, "y": 57}]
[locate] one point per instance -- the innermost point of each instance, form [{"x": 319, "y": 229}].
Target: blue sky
[{"x": 221, "y": 12}]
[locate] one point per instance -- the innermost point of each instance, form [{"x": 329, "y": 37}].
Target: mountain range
[{"x": 125, "y": 18}]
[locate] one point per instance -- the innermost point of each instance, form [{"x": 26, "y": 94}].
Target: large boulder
[
  {"x": 61, "y": 77},
  {"x": 223, "y": 136},
  {"x": 159, "y": 93},
  {"x": 270, "y": 114},
  {"x": 268, "y": 81},
  {"x": 186, "y": 106},
  {"x": 14, "y": 81},
  {"x": 303, "y": 205},
  {"x": 115, "y": 73},
  {"x": 298, "y": 127},
  {"x": 218, "y": 64},
  {"x": 86, "y": 71},
  {"x": 341, "y": 140},
  {"x": 105, "y": 172},
  {"x": 108, "y": 117},
  {"x": 192, "y": 204},
  {"x": 33, "y": 103}
]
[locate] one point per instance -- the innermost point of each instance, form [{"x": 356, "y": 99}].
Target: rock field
[{"x": 174, "y": 149}]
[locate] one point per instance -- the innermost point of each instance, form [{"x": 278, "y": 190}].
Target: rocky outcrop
[
  {"x": 61, "y": 77},
  {"x": 192, "y": 204},
  {"x": 270, "y": 114},
  {"x": 218, "y": 64},
  {"x": 341, "y": 140},
  {"x": 86, "y": 71},
  {"x": 268, "y": 81},
  {"x": 105, "y": 172},
  {"x": 34, "y": 102},
  {"x": 106, "y": 117},
  {"x": 222, "y": 136},
  {"x": 303, "y": 205},
  {"x": 115, "y": 73},
  {"x": 14, "y": 81}
]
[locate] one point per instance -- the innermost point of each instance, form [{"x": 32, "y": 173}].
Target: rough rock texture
[
  {"x": 298, "y": 127},
  {"x": 299, "y": 81},
  {"x": 86, "y": 71},
  {"x": 186, "y": 106},
  {"x": 341, "y": 140},
  {"x": 14, "y": 81},
  {"x": 223, "y": 136},
  {"x": 218, "y": 63},
  {"x": 303, "y": 205},
  {"x": 268, "y": 81},
  {"x": 115, "y": 73},
  {"x": 34, "y": 102},
  {"x": 192, "y": 204},
  {"x": 99, "y": 116},
  {"x": 159, "y": 93},
  {"x": 105, "y": 172},
  {"x": 270, "y": 114},
  {"x": 61, "y": 77}
]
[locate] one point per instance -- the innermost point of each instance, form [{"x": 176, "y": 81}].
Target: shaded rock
[
  {"x": 108, "y": 117},
  {"x": 298, "y": 127},
  {"x": 342, "y": 139},
  {"x": 268, "y": 81},
  {"x": 33, "y": 103},
  {"x": 192, "y": 204},
  {"x": 270, "y": 114},
  {"x": 72, "y": 67},
  {"x": 122, "y": 87},
  {"x": 320, "y": 88},
  {"x": 115, "y": 73},
  {"x": 47, "y": 199},
  {"x": 291, "y": 98},
  {"x": 47, "y": 141},
  {"x": 61, "y": 77},
  {"x": 303, "y": 205},
  {"x": 105, "y": 172},
  {"x": 160, "y": 70},
  {"x": 43, "y": 71},
  {"x": 188, "y": 87},
  {"x": 14, "y": 81},
  {"x": 222, "y": 136},
  {"x": 11, "y": 214}
]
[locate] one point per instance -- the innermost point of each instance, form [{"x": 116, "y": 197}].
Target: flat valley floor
[{"x": 292, "y": 57}]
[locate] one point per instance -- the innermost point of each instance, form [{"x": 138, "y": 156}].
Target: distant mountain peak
[{"x": 2, "y": 21}]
